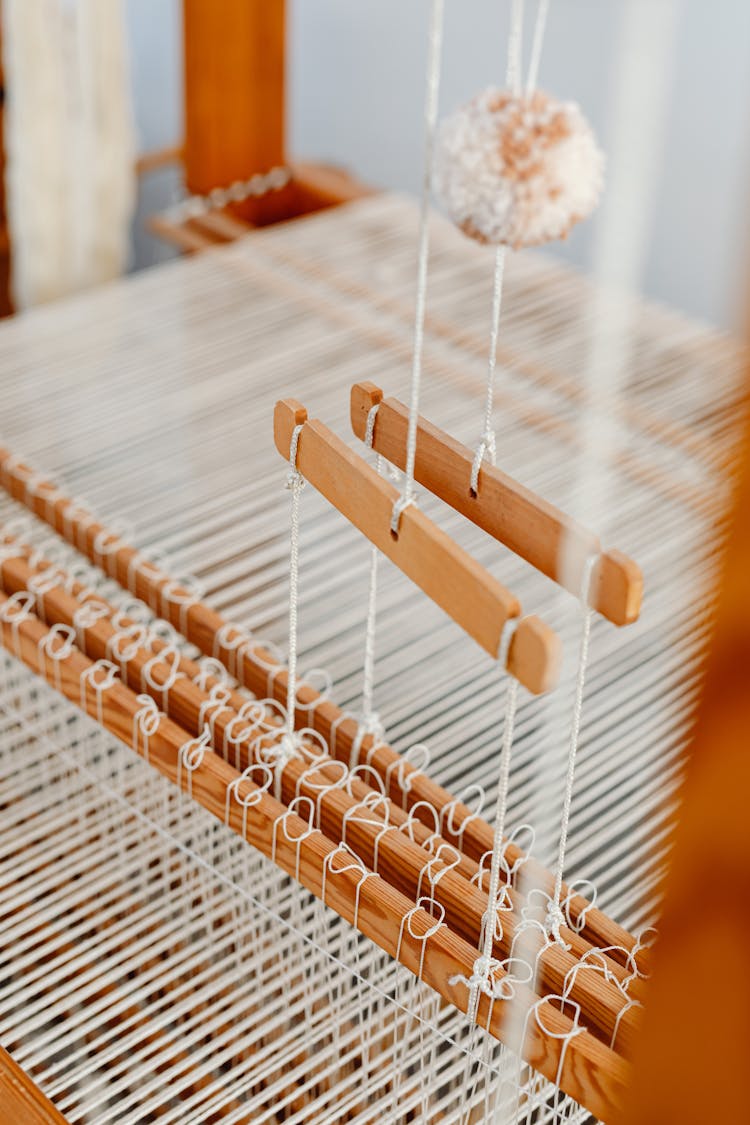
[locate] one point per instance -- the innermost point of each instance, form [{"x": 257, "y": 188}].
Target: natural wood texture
[
  {"x": 158, "y": 158},
  {"x": 551, "y": 541},
  {"x": 259, "y": 670},
  {"x": 422, "y": 551},
  {"x": 354, "y": 814},
  {"x": 234, "y": 62},
  {"x": 21, "y": 1100},
  {"x": 318, "y": 186},
  {"x": 582, "y": 1066},
  {"x": 313, "y": 187},
  {"x": 692, "y": 1058}
]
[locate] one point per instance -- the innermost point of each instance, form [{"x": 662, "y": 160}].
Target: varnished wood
[
  {"x": 402, "y": 860},
  {"x": 21, "y": 1100},
  {"x": 259, "y": 670},
  {"x": 547, "y": 538},
  {"x": 693, "y": 1054},
  {"x": 431, "y": 559},
  {"x": 158, "y": 158},
  {"x": 586, "y": 1069},
  {"x": 234, "y": 64}
]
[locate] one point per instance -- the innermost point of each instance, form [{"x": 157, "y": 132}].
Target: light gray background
[{"x": 357, "y": 87}]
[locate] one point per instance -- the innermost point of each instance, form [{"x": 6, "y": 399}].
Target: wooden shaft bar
[
  {"x": 606, "y": 1010},
  {"x": 234, "y": 57},
  {"x": 444, "y": 571},
  {"x": 551, "y": 541},
  {"x": 698, "y": 1075},
  {"x": 258, "y": 670},
  {"x": 21, "y": 1100},
  {"x": 585, "y": 1069}
]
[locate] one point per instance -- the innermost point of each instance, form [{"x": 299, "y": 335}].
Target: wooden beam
[
  {"x": 547, "y": 538},
  {"x": 21, "y": 1100},
  {"x": 454, "y": 580},
  {"x": 691, "y": 1064},
  {"x": 234, "y": 94}
]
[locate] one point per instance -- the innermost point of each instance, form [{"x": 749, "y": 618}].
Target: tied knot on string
[
  {"x": 482, "y": 971},
  {"x": 279, "y": 754},
  {"x": 295, "y": 482},
  {"x": 553, "y": 920},
  {"x": 487, "y": 448},
  {"x": 371, "y": 724}
]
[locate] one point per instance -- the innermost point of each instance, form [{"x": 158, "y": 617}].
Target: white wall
[{"x": 357, "y": 78}]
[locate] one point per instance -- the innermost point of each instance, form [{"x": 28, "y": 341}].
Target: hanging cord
[
  {"x": 536, "y": 46},
  {"x": 370, "y": 719},
  {"x": 555, "y": 917},
  {"x": 295, "y": 482},
  {"x": 487, "y": 442},
  {"x": 431, "y": 111},
  {"x": 483, "y": 965}
]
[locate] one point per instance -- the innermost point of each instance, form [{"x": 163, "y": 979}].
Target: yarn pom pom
[{"x": 518, "y": 169}]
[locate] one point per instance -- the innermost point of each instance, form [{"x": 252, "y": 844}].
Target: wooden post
[
  {"x": 234, "y": 96},
  {"x": 691, "y": 1064},
  {"x": 21, "y": 1100}
]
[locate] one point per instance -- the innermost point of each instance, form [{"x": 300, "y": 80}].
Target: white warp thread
[{"x": 431, "y": 112}]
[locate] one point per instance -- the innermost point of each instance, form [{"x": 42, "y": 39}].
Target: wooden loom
[{"x": 590, "y": 1070}]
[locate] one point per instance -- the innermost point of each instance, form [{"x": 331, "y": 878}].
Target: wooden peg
[
  {"x": 552, "y": 542},
  {"x": 426, "y": 554},
  {"x": 565, "y": 1053},
  {"x": 258, "y": 670}
]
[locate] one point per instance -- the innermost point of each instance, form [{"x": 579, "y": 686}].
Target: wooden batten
[
  {"x": 551, "y": 541},
  {"x": 468, "y": 593},
  {"x": 259, "y": 670},
  {"x": 234, "y": 68},
  {"x": 583, "y": 1067},
  {"x": 21, "y": 1100}
]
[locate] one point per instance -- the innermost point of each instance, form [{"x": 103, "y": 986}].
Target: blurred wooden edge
[
  {"x": 21, "y": 1100},
  {"x": 314, "y": 187},
  {"x": 691, "y": 1061}
]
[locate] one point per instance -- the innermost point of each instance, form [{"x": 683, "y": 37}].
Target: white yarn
[
  {"x": 517, "y": 170},
  {"x": 431, "y": 112},
  {"x": 70, "y": 144},
  {"x": 555, "y": 916},
  {"x": 295, "y": 482}
]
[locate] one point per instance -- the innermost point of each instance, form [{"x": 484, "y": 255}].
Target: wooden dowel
[
  {"x": 258, "y": 670},
  {"x": 400, "y": 860},
  {"x": 582, "y": 1066},
  {"x": 422, "y": 551},
  {"x": 21, "y": 1100},
  {"x": 551, "y": 541}
]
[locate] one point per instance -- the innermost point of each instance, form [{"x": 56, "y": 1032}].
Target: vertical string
[
  {"x": 511, "y": 701},
  {"x": 487, "y": 444},
  {"x": 370, "y": 720},
  {"x": 575, "y": 732},
  {"x": 295, "y": 482},
  {"x": 515, "y": 42},
  {"x": 431, "y": 110},
  {"x": 536, "y": 46}
]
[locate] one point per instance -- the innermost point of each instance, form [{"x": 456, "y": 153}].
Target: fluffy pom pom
[{"x": 517, "y": 169}]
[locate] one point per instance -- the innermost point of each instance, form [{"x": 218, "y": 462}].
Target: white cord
[
  {"x": 295, "y": 482},
  {"x": 431, "y": 111},
  {"x": 575, "y": 732},
  {"x": 487, "y": 443}
]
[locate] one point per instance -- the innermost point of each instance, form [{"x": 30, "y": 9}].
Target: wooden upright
[
  {"x": 691, "y": 1066},
  {"x": 234, "y": 90}
]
